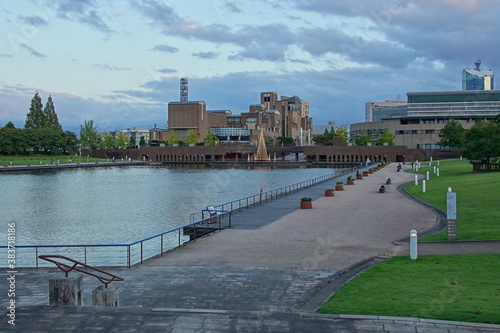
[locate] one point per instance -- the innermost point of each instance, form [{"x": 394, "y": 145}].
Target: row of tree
[
  {"x": 481, "y": 143},
  {"x": 327, "y": 138},
  {"x": 41, "y": 133}
]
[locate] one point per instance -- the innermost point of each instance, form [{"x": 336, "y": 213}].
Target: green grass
[
  {"x": 478, "y": 199},
  {"x": 45, "y": 159},
  {"x": 448, "y": 287}
]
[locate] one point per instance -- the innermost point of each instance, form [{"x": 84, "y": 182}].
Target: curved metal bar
[{"x": 68, "y": 268}]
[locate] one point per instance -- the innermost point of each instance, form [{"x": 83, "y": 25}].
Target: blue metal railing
[{"x": 137, "y": 252}]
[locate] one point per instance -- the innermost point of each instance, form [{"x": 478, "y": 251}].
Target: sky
[{"x": 119, "y": 62}]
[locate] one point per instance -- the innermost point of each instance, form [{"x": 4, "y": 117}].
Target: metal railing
[
  {"x": 119, "y": 254},
  {"x": 137, "y": 252}
]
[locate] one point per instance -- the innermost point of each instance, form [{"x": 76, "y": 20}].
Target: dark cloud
[
  {"x": 159, "y": 13},
  {"x": 35, "y": 21},
  {"x": 85, "y": 12},
  {"x": 166, "y": 48},
  {"x": 206, "y": 55}
]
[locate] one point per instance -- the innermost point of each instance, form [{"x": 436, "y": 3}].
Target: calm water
[{"x": 123, "y": 204}]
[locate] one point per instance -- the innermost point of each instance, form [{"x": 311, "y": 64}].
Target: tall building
[{"x": 477, "y": 78}]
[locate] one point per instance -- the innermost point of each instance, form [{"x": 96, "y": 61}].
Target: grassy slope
[
  {"x": 478, "y": 198},
  {"x": 460, "y": 288}
]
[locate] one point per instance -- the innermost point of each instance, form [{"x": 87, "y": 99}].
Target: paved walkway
[{"x": 270, "y": 272}]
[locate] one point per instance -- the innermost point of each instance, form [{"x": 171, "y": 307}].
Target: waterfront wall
[{"x": 333, "y": 154}]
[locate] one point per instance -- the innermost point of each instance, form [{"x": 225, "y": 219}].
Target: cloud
[
  {"x": 167, "y": 70},
  {"x": 32, "y": 51},
  {"x": 110, "y": 67},
  {"x": 160, "y": 14},
  {"x": 166, "y": 48},
  {"x": 206, "y": 55},
  {"x": 35, "y": 21},
  {"x": 6, "y": 55},
  {"x": 85, "y": 12}
]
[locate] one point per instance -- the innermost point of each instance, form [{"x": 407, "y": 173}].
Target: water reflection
[{"x": 125, "y": 204}]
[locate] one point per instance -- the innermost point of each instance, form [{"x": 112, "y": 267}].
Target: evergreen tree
[
  {"x": 342, "y": 132},
  {"x": 35, "y": 117},
  {"x": 51, "y": 120},
  {"x": 142, "y": 141},
  {"x": 89, "y": 137}
]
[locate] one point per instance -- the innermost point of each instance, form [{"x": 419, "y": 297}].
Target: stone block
[
  {"x": 66, "y": 291},
  {"x": 105, "y": 296}
]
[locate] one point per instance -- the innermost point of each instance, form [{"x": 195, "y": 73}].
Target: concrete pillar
[
  {"x": 105, "y": 296},
  {"x": 66, "y": 291}
]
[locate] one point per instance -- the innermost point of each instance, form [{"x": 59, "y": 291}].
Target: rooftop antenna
[
  {"x": 478, "y": 64},
  {"x": 184, "y": 89}
]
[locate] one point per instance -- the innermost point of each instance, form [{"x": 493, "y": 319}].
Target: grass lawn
[
  {"x": 478, "y": 199},
  {"x": 45, "y": 159},
  {"x": 448, "y": 287}
]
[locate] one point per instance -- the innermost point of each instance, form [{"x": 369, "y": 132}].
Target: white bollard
[
  {"x": 427, "y": 175},
  {"x": 449, "y": 189},
  {"x": 438, "y": 163},
  {"x": 416, "y": 180},
  {"x": 423, "y": 186},
  {"x": 437, "y": 172},
  {"x": 434, "y": 169},
  {"x": 413, "y": 244}
]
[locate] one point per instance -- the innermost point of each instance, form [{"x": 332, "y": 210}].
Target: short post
[
  {"x": 66, "y": 291},
  {"x": 438, "y": 163},
  {"x": 427, "y": 175},
  {"x": 423, "y": 186},
  {"x": 413, "y": 244},
  {"x": 105, "y": 296},
  {"x": 451, "y": 214},
  {"x": 434, "y": 170},
  {"x": 416, "y": 180},
  {"x": 437, "y": 172}
]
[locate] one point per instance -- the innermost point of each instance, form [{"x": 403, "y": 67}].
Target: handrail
[{"x": 103, "y": 279}]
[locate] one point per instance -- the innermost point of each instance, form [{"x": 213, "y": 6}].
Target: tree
[
  {"x": 482, "y": 142},
  {"x": 342, "y": 132},
  {"x": 71, "y": 142},
  {"x": 89, "y": 137},
  {"x": 172, "y": 138},
  {"x": 363, "y": 139},
  {"x": 9, "y": 125},
  {"x": 386, "y": 137},
  {"x": 286, "y": 141},
  {"x": 142, "y": 141},
  {"x": 210, "y": 139},
  {"x": 121, "y": 141},
  {"x": 132, "y": 142},
  {"x": 452, "y": 135},
  {"x": 192, "y": 137},
  {"x": 35, "y": 118},
  {"x": 323, "y": 139},
  {"x": 50, "y": 116},
  {"x": 106, "y": 140}
]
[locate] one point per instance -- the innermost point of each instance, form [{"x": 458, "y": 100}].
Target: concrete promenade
[{"x": 269, "y": 273}]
